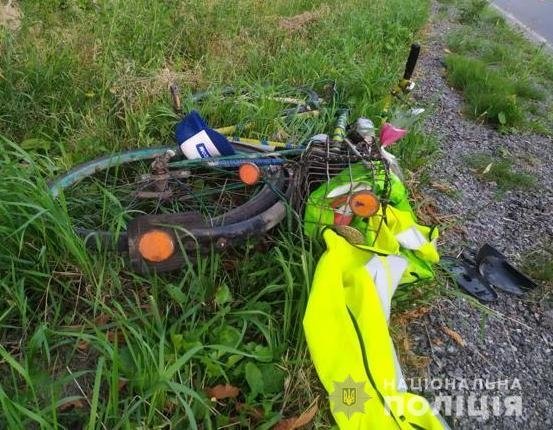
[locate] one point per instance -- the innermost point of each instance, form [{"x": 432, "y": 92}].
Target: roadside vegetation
[
  {"x": 505, "y": 78},
  {"x": 539, "y": 264},
  {"x": 85, "y": 343},
  {"x": 501, "y": 170}
]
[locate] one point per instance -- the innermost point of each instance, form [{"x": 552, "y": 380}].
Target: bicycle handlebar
[{"x": 412, "y": 61}]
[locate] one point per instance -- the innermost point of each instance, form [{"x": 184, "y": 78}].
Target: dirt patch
[
  {"x": 132, "y": 87},
  {"x": 10, "y": 16},
  {"x": 302, "y": 20}
]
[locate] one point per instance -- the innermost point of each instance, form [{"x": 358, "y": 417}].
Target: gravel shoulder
[{"x": 512, "y": 340}]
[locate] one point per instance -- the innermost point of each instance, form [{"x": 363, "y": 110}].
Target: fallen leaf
[
  {"x": 307, "y": 416},
  {"x": 83, "y": 345},
  {"x": 115, "y": 336},
  {"x": 437, "y": 342},
  {"x": 170, "y": 406},
  {"x": 487, "y": 169},
  {"x": 73, "y": 403},
  {"x": 405, "y": 317},
  {"x": 122, "y": 383},
  {"x": 298, "y": 422},
  {"x": 230, "y": 264},
  {"x": 443, "y": 188},
  {"x": 221, "y": 391},
  {"x": 454, "y": 335},
  {"x": 286, "y": 424},
  {"x": 101, "y": 319}
]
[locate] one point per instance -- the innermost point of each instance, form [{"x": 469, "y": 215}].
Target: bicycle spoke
[{"x": 133, "y": 188}]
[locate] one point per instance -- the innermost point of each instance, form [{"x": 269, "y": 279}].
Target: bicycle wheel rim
[{"x": 266, "y": 197}]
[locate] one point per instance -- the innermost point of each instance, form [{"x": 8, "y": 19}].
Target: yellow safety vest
[
  {"x": 399, "y": 232},
  {"x": 346, "y": 327}
]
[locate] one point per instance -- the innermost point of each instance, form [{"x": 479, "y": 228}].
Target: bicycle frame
[{"x": 303, "y": 109}]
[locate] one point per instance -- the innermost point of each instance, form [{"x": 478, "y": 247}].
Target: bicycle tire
[
  {"x": 263, "y": 200},
  {"x": 200, "y": 237}
]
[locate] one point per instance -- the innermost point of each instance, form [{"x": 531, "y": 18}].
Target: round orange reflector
[
  {"x": 364, "y": 204},
  {"x": 156, "y": 246},
  {"x": 249, "y": 173}
]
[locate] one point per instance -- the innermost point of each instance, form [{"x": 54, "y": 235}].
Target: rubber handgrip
[
  {"x": 341, "y": 123},
  {"x": 412, "y": 61}
]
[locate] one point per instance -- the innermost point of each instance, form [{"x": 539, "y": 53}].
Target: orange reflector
[
  {"x": 364, "y": 204},
  {"x": 249, "y": 173},
  {"x": 156, "y": 246}
]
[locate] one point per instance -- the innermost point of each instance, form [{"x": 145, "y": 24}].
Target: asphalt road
[{"x": 536, "y": 15}]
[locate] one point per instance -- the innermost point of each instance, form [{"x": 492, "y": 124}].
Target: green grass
[
  {"x": 500, "y": 170},
  {"x": 87, "y": 77},
  {"x": 470, "y": 11},
  {"x": 487, "y": 93},
  {"x": 65, "y": 311},
  {"x": 538, "y": 263},
  {"x": 415, "y": 150},
  {"x": 86, "y": 343},
  {"x": 505, "y": 77}
]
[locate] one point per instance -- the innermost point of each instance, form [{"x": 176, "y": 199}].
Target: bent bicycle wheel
[{"x": 157, "y": 207}]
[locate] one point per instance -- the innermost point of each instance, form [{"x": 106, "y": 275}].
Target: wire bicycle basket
[{"x": 344, "y": 184}]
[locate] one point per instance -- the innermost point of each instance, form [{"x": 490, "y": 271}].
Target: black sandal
[
  {"x": 468, "y": 279},
  {"x": 493, "y": 266}
]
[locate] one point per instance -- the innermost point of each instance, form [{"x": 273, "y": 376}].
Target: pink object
[
  {"x": 390, "y": 134},
  {"x": 342, "y": 219},
  {"x": 342, "y": 212}
]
